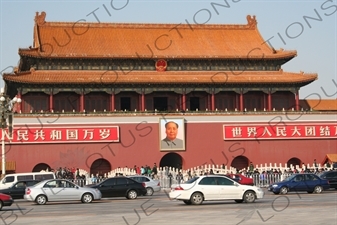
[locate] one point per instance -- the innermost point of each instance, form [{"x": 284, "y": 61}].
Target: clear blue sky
[{"x": 315, "y": 41}]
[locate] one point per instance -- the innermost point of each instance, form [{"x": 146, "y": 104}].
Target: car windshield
[
  {"x": 322, "y": 174},
  {"x": 290, "y": 178},
  {"x": 190, "y": 181},
  {"x": 12, "y": 185},
  {"x": 37, "y": 183}
]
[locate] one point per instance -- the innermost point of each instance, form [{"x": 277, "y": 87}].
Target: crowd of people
[
  {"x": 68, "y": 173},
  {"x": 181, "y": 176},
  {"x": 147, "y": 170},
  {"x": 304, "y": 169}
]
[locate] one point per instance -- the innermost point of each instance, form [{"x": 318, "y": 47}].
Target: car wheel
[
  {"x": 249, "y": 197},
  {"x": 87, "y": 198},
  {"x": 132, "y": 194},
  {"x": 149, "y": 191},
  {"x": 197, "y": 198},
  {"x": 41, "y": 200},
  {"x": 1, "y": 204},
  {"x": 318, "y": 189},
  {"x": 187, "y": 202},
  {"x": 239, "y": 201},
  {"x": 284, "y": 190}
]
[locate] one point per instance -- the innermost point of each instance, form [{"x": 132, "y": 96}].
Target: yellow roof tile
[{"x": 116, "y": 40}]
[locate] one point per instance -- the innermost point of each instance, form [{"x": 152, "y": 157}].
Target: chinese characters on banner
[
  {"x": 31, "y": 135},
  {"x": 288, "y": 131}
]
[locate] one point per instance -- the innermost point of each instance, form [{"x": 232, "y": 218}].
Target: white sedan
[
  {"x": 214, "y": 187},
  {"x": 60, "y": 190}
]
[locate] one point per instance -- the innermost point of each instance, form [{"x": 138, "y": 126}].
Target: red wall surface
[{"x": 139, "y": 145}]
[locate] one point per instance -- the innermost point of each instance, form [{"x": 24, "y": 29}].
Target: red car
[
  {"x": 5, "y": 200},
  {"x": 241, "y": 179}
]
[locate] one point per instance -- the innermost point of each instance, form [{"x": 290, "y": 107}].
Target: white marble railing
[{"x": 164, "y": 172}]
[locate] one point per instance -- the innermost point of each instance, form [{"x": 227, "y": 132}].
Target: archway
[
  {"x": 41, "y": 166},
  {"x": 240, "y": 162},
  {"x": 294, "y": 161},
  {"x": 100, "y": 167},
  {"x": 171, "y": 160}
]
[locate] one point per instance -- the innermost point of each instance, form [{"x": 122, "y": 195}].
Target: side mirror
[{"x": 236, "y": 184}]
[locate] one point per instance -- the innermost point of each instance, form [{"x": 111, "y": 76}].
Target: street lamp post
[{"x": 6, "y": 113}]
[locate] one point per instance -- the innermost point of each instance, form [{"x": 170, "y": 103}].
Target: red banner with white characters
[
  {"x": 71, "y": 134},
  {"x": 281, "y": 131}
]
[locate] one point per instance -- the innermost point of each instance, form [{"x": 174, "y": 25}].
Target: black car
[
  {"x": 17, "y": 190},
  {"x": 120, "y": 187},
  {"x": 331, "y": 176}
]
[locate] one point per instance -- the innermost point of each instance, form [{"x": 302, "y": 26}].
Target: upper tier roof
[{"x": 116, "y": 40}]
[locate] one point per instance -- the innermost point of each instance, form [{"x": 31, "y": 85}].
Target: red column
[
  {"x": 269, "y": 101},
  {"x": 112, "y": 102},
  {"x": 241, "y": 101},
  {"x": 82, "y": 102},
  {"x": 212, "y": 102},
  {"x": 297, "y": 101},
  {"x": 51, "y": 102},
  {"x": 184, "y": 101},
  {"x": 143, "y": 102}
]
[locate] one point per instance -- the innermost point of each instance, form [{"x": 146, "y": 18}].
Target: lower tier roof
[{"x": 154, "y": 77}]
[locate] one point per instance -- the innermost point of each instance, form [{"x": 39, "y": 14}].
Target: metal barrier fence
[
  {"x": 166, "y": 182},
  {"x": 264, "y": 180},
  {"x": 83, "y": 182},
  {"x": 259, "y": 180}
]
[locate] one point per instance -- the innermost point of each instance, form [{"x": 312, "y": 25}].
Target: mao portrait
[{"x": 172, "y": 134}]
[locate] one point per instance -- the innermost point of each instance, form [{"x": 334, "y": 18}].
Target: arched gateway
[
  {"x": 100, "y": 167},
  {"x": 240, "y": 162},
  {"x": 294, "y": 161},
  {"x": 41, "y": 166},
  {"x": 171, "y": 160}
]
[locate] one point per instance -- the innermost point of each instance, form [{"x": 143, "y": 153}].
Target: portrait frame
[{"x": 178, "y": 144}]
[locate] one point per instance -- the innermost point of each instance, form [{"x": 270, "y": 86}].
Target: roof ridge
[
  {"x": 150, "y": 25},
  {"x": 251, "y": 24}
]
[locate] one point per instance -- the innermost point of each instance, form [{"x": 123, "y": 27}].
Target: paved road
[{"x": 292, "y": 209}]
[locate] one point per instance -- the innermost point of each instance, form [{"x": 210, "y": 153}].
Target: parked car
[
  {"x": 241, "y": 179},
  {"x": 17, "y": 190},
  {"x": 150, "y": 184},
  {"x": 214, "y": 187},
  {"x": 300, "y": 182},
  {"x": 60, "y": 190},
  {"x": 10, "y": 179},
  {"x": 331, "y": 176},
  {"x": 120, "y": 187},
  {"x": 5, "y": 200}
]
